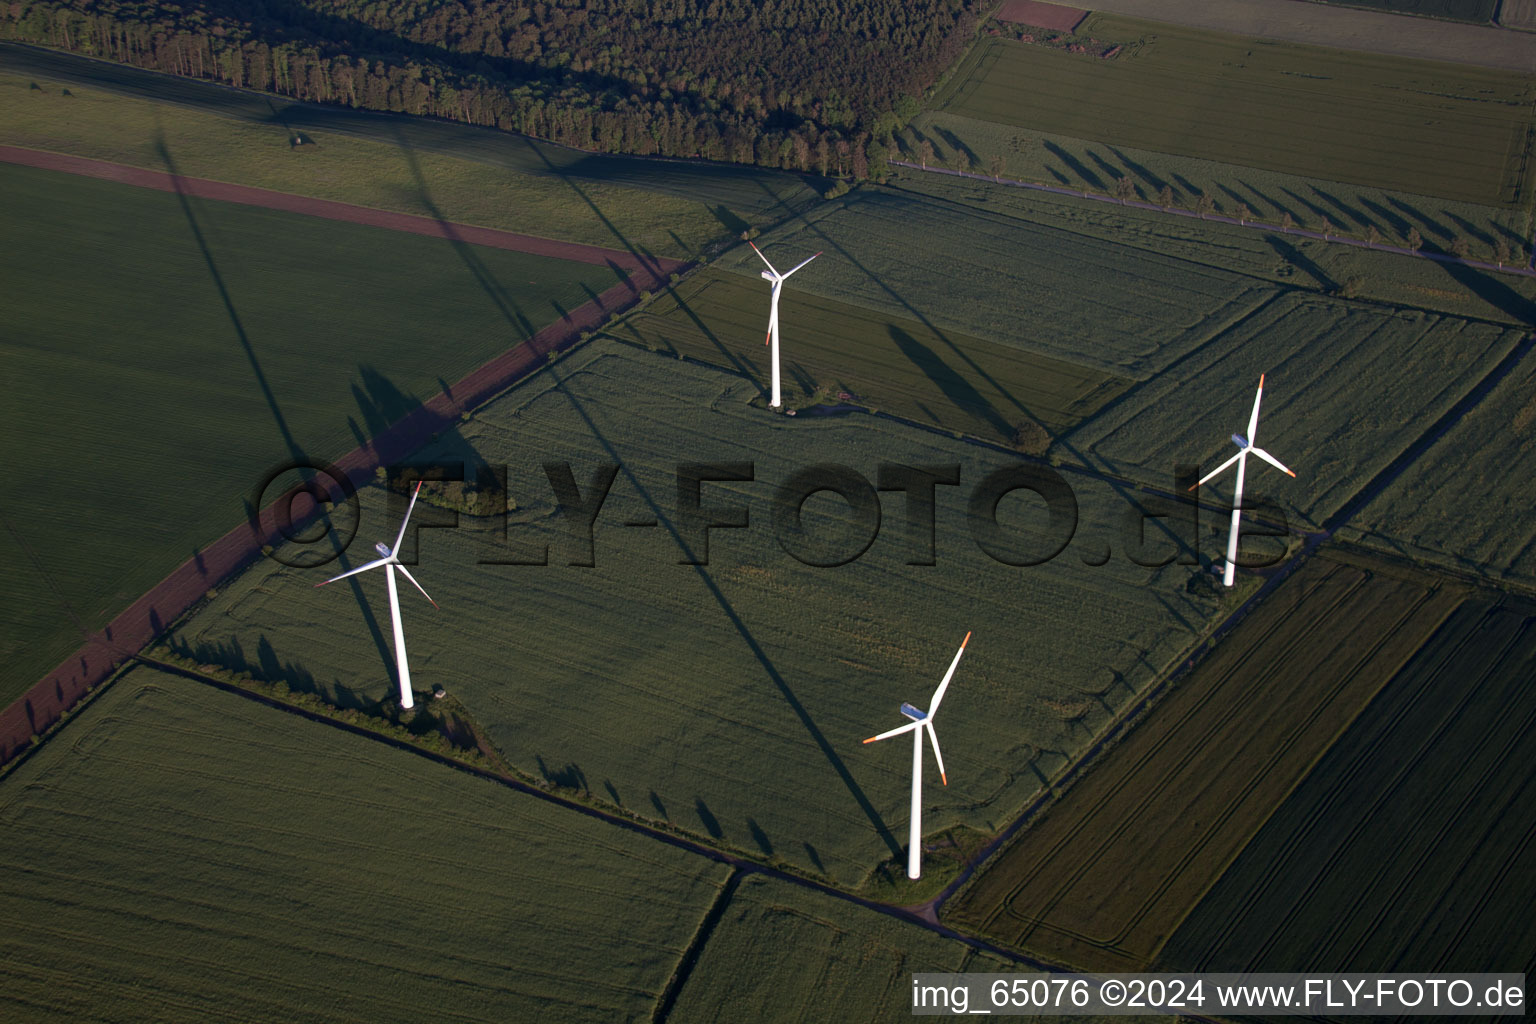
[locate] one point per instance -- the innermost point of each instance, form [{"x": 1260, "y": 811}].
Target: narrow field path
[
  {"x": 1300, "y": 21},
  {"x": 328, "y": 209}
]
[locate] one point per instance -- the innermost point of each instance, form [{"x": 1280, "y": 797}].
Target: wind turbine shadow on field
[
  {"x": 761, "y": 656},
  {"x": 296, "y": 453},
  {"x": 830, "y": 244},
  {"x": 515, "y": 318}
]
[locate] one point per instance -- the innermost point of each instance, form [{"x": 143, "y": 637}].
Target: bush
[{"x": 1031, "y": 438}]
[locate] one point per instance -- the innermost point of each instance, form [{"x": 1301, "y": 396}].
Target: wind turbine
[
  {"x": 391, "y": 561},
  {"x": 1245, "y": 447},
  {"x": 922, "y": 721},
  {"x": 778, "y": 280}
]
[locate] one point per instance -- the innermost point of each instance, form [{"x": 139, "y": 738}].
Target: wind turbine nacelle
[
  {"x": 1240, "y": 440},
  {"x": 913, "y": 713},
  {"x": 382, "y": 549},
  {"x": 766, "y": 276}
]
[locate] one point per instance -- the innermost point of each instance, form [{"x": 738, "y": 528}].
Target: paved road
[{"x": 1299, "y": 21}]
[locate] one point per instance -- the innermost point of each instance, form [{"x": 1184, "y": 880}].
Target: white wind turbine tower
[
  {"x": 391, "y": 562},
  {"x": 1245, "y": 447},
  {"x": 778, "y": 280},
  {"x": 922, "y": 721}
]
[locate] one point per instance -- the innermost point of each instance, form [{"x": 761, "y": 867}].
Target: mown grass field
[
  {"x": 1464, "y": 504},
  {"x": 433, "y": 169},
  {"x": 172, "y": 354},
  {"x": 899, "y": 365},
  {"x": 1106, "y": 874},
  {"x": 995, "y": 275},
  {"x": 180, "y": 853},
  {"x": 1348, "y": 388},
  {"x": 1409, "y": 844},
  {"x": 731, "y": 700},
  {"x": 1423, "y": 127}
]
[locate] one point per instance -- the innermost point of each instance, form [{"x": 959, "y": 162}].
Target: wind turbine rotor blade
[
  {"x": 773, "y": 320},
  {"x": 764, "y": 259},
  {"x": 938, "y": 695},
  {"x": 799, "y": 265},
  {"x": 1253, "y": 420},
  {"x": 418, "y": 586},
  {"x": 934, "y": 739},
  {"x": 395, "y": 551},
  {"x": 1219, "y": 469},
  {"x": 353, "y": 572},
  {"x": 895, "y": 732},
  {"x": 1261, "y": 453}
]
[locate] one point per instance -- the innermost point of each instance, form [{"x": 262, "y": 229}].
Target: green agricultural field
[
  {"x": 731, "y": 699},
  {"x": 1422, "y": 127},
  {"x": 899, "y": 365},
  {"x": 1465, "y": 504},
  {"x": 1248, "y": 256},
  {"x": 1348, "y": 388},
  {"x": 965, "y": 143},
  {"x": 1101, "y": 878},
  {"x": 173, "y": 353},
  {"x": 1002, "y": 277},
  {"x": 1479, "y": 12},
  {"x": 430, "y": 168},
  {"x": 1409, "y": 844},
  {"x": 181, "y": 853}
]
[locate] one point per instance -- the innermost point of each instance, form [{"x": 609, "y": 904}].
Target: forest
[{"x": 812, "y": 85}]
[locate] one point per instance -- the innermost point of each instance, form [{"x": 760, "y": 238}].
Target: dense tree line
[{"x": 807, "y": 84}]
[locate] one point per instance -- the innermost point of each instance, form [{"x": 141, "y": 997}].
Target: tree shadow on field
[
  {"x": 1429, "y": 224},
  {"x": 269, "y": 667},
  {"x": 1153, "y": 181},
  {"x": 1296, "y": 257},
  {"x": 707, "y": 818},
  {"x": 1493, "y": 291},
  {"x": 760, "y": 837},
  {"x": 1269, "y": 201},
  {"x": 1110, "y": 170},
  {"x": 1076, "y": 166},
  {"x": 569, "y": 776}
]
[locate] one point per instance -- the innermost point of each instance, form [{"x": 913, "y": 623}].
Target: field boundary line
[
  {"x": 1219, "y": 218},
  {"x": 695, "y": 948},
  {"x": 331, "y": 209}
]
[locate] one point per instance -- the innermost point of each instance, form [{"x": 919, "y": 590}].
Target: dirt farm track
[{"x": 101, "y": 652}]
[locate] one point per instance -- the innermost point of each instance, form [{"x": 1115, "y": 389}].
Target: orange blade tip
[
  {"x": 944, "y": 777},
  {"x": 1261, "y": 380},
  {"x": 966, "y": 640}
]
